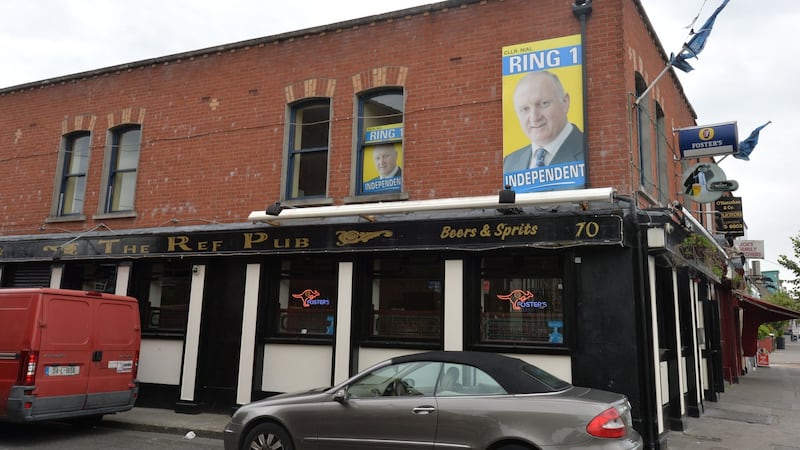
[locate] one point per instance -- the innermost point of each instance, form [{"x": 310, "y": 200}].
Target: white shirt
[{"x": 551, "y": 147}]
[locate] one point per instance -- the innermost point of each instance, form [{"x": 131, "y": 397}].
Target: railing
[{"x": 406, "y": 324}]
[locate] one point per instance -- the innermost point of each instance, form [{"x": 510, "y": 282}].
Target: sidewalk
[
  {"x": 761, "y": 412},
  {"x": 206, "y": 425}
]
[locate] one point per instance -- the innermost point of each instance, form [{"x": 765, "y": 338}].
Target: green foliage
[
  {"x": 781, "y": 299},
  {"x": 702, "y": 250},
  {"x": 793, "y": 267}
]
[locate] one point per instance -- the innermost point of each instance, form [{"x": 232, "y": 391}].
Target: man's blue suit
[{"x": 571, "y": 150}]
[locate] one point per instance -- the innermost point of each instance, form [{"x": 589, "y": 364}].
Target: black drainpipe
[{"x": 582, "y": 9}]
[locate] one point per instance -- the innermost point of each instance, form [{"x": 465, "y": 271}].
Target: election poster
[
  {"x": 543, "y": 129},
  {"x": 383, "y": 160}
]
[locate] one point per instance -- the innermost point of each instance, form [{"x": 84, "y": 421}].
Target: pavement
[{"x": 760, "y": 412}]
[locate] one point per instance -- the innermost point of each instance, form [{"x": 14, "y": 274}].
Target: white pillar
[{"x": 192, "y": 343}]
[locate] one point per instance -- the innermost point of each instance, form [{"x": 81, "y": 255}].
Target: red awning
[{"x": 757, "y": 312}]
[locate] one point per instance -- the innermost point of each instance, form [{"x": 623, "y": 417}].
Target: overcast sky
[{"x": 744, "y": 74}]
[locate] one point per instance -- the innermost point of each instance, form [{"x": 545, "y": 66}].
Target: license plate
[{"x": 61, "y": 371}]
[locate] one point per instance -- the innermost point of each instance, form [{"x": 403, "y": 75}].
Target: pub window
[
  {"x": 380, "y": 149},
  {"x": 305, "y": 300},
  {"x": 308, "y": 149},
  {"x": 521, "y": 300},
  {"x": 73, "y": 174},
  {"x": 122, "y": 169},
  {"x": 93, "y": 276},
  {"x": 163, "y": 290},
  {"x": 405, "y": 298}
]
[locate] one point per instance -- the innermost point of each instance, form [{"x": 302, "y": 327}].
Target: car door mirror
[{"x": 341, "y": 395}]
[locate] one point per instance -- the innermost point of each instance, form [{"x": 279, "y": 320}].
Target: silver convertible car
[{"x": 439, "y": 400}]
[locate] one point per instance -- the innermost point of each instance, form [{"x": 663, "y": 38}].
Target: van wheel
[{"x": 268, "y": 436}]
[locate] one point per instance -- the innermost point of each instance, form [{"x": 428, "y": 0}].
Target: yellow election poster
[{"x": 543, "y": 129}]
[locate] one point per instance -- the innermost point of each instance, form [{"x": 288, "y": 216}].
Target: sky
[{"x": 743, "y": 74}]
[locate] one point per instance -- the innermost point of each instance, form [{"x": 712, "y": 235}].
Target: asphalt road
[{"x": 51, "y": 435}]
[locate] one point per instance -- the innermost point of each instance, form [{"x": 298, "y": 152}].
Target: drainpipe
[{"x": 582, "y": 9}]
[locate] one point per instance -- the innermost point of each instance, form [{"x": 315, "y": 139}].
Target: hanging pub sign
[
  {"x": 706, "y": 182},
  {"x": 708, "y": 140},
  {"x": 729, "y": 209}
]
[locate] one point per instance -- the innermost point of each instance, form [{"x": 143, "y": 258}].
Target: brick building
[{"x": 233, "y": 191}]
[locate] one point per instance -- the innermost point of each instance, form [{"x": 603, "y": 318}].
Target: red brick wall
[{"x": 213, "y": 124}]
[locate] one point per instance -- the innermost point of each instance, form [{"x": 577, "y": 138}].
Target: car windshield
[{"x": 546, "y": 378}]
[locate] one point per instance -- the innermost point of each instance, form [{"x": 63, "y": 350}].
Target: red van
[{"x": 67, "y": 354}]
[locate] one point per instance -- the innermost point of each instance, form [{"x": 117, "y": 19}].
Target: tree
[
  {"x": 793, "y": 266},
  {"x": 782, "y": 299}
]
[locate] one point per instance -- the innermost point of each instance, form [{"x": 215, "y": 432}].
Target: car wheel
[
  {"x": 268, "y": 436},
  {"x": 514, "y": 447}
]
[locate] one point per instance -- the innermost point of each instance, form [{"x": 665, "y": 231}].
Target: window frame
[
  {"x": 365, "y": 170},
  {"x": 474, "y": 321},
  {"x": 112, "y": 172},
  {"x": 295, "y": 149},
  {"x": 279, "y": 278},
  {"x": 644, "y": 137},
  {"x": 370, "y": 312},
  {"x": 66, "y": 158}
]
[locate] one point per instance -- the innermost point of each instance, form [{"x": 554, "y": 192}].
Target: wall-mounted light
[
  {"x": 507, "y": 195},
  {"x": 274, "y": 209},
  {"x": 443, "y": 204}
]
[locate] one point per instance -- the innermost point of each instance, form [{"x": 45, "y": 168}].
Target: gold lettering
[
  {"x": 457, "y": 233},
  {"x": 254, "y": 238},
  {"x": 175, "y": 243},
  {"x": 285, "y": 244},
  {"x": 108, "y": 245},
  {"x": 129, "y": 248},
  {"x": 302, "y": 242}
]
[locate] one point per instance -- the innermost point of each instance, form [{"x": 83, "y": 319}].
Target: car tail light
[
  {"x": 608, "y": 424},
  {"x": 27, "y": 370}
]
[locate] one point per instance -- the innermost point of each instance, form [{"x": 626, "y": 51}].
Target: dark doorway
[{"x": 220, "y": 335}]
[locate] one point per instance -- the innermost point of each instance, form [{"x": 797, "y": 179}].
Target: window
[
  {"x": 460, "y": 380},
  {"x": 163, "y": 290},
  {"x": 402, "y": 379},
  {"x": 406, "y": 298},
  {"x": 123, "y": 164},
  {"x": 425, "y": 378},
  {"x": 645, "y": 137},
  {"x": 380, "y": 157},
  {"x": 308, "y": 149},
  {"x": 73, "y": 178},
  {"x": 94, "y": 276},
  {"x": 663, "y": 156},
  {"x": 306, "y": 298},
  {"x": 521, "y": 300}
]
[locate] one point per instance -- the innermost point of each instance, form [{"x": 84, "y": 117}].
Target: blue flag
[
  {"x": 747, "y": 145},
  {"x": 696, "y": 43}
]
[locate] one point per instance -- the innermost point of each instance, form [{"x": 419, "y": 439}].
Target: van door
[
  {"x": 18, "y": 314},
  {"x": 114, "y": 355},
  {"x": 64, "y": 354}
]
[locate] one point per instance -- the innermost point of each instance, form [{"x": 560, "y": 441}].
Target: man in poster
[
  {"x": 390, "y": 175},
  {"x": 541, "y": 105}
]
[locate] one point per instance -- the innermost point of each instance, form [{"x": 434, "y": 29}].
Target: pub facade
[{"x": 238, "y": 193}]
